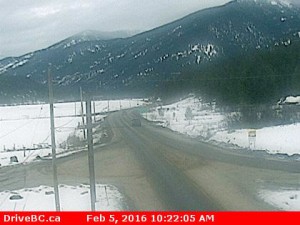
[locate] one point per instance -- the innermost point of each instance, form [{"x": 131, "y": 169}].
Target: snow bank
[
  {"x": 198, "y": 119},
  {"x": 277, "y": 139},
  {"x": 288, "y": 200},
  {"x": 292, "y": 100},
  {"x": 72, "y": 198},
  {"x": 190, "y": 116}
]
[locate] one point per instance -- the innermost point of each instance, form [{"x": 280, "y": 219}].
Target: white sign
[
  {"x": 252, "y": 138},
  {"x": 252, "y": 133}
]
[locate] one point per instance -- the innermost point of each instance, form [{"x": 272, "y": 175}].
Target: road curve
[
  {"x": 175, "y": 189},
  {"x": 153, "y": 146}
]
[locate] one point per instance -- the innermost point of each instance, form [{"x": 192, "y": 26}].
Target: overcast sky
[{"x": 28, "y": 25}]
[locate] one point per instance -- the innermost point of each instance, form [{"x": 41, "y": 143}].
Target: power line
[{"x": 12, "y": 131}]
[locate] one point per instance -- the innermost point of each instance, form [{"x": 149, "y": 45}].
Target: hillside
[
  {"x": 211, "y": 44},
  {"x": 259, "y": 78}
]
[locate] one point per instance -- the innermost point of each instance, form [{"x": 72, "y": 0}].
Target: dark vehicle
[{"x": 136, "y": 123}]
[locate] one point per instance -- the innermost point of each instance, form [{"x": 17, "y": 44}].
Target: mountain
[
  {"x": 145, "y": 63},
  {"x": 92, "y": 35}
]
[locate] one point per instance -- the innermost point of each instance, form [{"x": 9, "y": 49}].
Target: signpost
[
  {"x": 91, "y": 153},
  {"x": 252, "y": 138}
]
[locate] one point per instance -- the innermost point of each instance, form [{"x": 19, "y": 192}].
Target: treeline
[{"x": 258, "y": 77}]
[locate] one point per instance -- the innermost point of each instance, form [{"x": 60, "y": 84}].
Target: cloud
[
  {"x": 28, "y": 25},
  {"x": 45, "y": 11}
]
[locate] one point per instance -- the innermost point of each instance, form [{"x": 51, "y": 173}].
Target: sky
[{"x": 29, "y": 25}]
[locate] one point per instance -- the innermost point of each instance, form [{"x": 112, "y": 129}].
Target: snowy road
[
  {"x": 171, "y": 185},
  {"x": 175, "y": 166},
  {"x": 157, "y": 169}
]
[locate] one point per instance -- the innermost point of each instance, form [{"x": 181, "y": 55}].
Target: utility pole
[
  {"x": 91, "y": 153},
  {"x": 82, "y": 116},
  {"x": 94, "y": 109},
  {"x": 54, "y": 167}
]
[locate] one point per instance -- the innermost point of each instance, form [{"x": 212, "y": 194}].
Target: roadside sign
[
  {"x": 252, "y": 138},
  {"x": 252, "y": 133}
]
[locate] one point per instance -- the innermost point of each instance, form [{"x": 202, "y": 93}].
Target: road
[{"x": 157, "y": 169}]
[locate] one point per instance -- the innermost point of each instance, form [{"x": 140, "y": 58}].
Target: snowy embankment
[
  {"x": 25, "y": 129},
  {"x": 278, "y": 139},
  {"x": 72, "y": 198},
  {"x": 195, "y": 118},
  {"x": 202, "y": 120},
  {"x": 288, "y": 200}
]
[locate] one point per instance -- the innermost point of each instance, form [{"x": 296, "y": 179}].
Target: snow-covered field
[
  {"x": 25, "y": 129},
  {"x": 195, "y": 118},
  {"x": 72, "y": 198}
]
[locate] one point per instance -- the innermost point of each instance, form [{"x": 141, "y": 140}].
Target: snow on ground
[
  {"x": 28, "y": 133},
  {"x": 72, "y": 198},
  {"x": 31, "y": 155},
  {"x": 288, "y": 200},
  {"x": 27, "y": 127},
  {"x": 195, "y": 118},
  {"x": 292, "y": 100},
  {"x": 190, "y": 116},
  {"x": 276, "y": 139},
  {"x": 114, "y": 105}
]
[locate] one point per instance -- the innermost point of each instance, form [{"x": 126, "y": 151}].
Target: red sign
[{"x": 217, "y": 218}]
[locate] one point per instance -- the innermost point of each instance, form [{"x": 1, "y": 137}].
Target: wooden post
[
  {"x": 53, "y": 144},
  {"x": 82, "y": 114},
  {"x": 91, "y": 153},
  {"x": 94, "y": 109}
]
